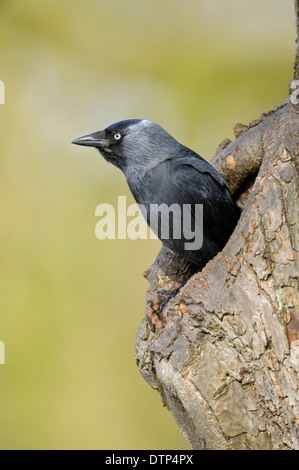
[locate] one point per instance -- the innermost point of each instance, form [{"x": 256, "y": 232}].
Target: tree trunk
[{"x": 224, "y": 353}]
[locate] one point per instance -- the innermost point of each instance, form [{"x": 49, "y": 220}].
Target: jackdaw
[{"x": 161, "y": 172}]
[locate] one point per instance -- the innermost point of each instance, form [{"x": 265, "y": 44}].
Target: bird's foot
[{"x": 167, "y": 295}]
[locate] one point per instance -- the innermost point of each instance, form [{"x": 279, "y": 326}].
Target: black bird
[
  {"x": 159, "y": 170},
  {"x": 162, "y": 172}
]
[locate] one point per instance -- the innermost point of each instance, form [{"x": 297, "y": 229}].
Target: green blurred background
[{"x": 71, "y": 304}]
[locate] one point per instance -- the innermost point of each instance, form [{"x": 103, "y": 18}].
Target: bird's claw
[{"x": 167, "y": 295}]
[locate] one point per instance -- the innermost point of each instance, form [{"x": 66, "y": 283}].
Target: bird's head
[{"x": 136, "y": 142}]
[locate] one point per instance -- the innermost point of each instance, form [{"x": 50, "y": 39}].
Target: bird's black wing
[
  {"x": 189, "y": 180},
  {"x": 199, "y": 183}
]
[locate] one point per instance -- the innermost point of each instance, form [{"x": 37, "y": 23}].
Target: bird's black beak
[{"x": 97, "y": 139}]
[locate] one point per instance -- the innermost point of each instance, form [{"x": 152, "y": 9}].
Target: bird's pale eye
[{"x": 117, "y": 136}]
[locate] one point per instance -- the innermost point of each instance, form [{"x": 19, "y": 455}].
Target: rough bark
[{"x": 224, "y": 353}]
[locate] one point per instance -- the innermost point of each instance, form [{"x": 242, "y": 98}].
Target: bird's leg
[{"x": 170, "y": 294}]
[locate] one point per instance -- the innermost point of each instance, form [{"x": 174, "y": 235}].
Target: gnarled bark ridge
[{"x": 224, "y": 353}]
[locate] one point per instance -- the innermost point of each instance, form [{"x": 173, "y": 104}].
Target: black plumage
[{"x": 160, "y": 170}]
